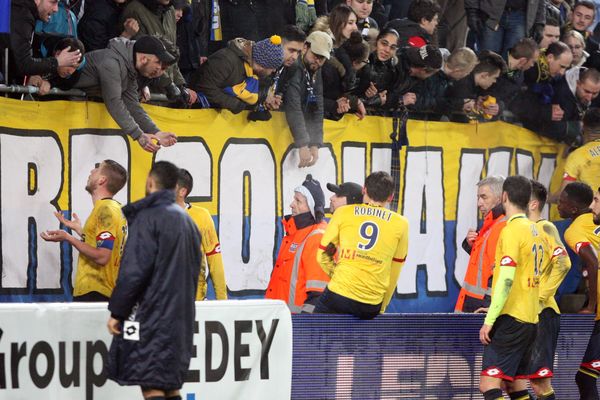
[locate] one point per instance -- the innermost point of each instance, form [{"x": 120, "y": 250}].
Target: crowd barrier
[
  {"x": 243, "y": 349},
  {"x": 244, "y": 174}
]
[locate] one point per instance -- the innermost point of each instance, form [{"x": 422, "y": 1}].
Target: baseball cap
[
  {"x": 320, "y": 43},
  {"x": 425, "y": 57},
  {"x": 350, "y": 190},
  {"x": 153, "y": 45}
]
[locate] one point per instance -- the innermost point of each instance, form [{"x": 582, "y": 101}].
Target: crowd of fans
[{"x": 531, "y": 62}]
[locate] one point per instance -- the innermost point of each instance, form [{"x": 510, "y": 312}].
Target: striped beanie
[{"x": 268, "y": 53}]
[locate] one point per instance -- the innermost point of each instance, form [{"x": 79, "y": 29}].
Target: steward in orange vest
[
  {"x": 477, "y": 287},
  {"x": 297, "y": 277}
]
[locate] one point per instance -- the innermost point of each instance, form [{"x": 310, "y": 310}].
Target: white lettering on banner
[
  {"x": 401, "y": 374},
  {"x": 471, "y": 165},
  {"x": 423, "y": 176},
  {"x": 193, "y": 154},
  {"x": 524, "y": 163},
  {"x": 344, "y": 377},
  {"x": 46, "y": 352},
  {"x": 499, "y": 162},
  {"x": 381, "y": 158},
  {"x": 31, "y": 181},
  {"x": 354, "y": 162},
  {"x": 324, "y": 171},
  {"x": 247, "y": 249},
  {"x": 547, "y": 166}
]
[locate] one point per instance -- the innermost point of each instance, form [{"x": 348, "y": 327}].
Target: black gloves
[
  {"x": 474, "y": 20},
  {"x": 178, "y": 94}
]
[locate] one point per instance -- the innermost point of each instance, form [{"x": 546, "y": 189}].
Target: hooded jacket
[
  {"x": 112, "y": 71},
  {"x": 156, "y": 288},
  {"x": 493, "y": 10},
  {"x": 23, "y": 15},
  {"x": 156, "y": 19},
  {"x": 411, "y": 33}
]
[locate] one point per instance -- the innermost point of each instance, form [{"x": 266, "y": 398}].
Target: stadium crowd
[{"x": 530, "y": 62}]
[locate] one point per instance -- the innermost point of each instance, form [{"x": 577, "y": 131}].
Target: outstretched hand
[{"x": 73, "y": 224}]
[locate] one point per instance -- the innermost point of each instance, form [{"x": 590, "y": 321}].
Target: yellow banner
[{"x": 244, "y": 174}]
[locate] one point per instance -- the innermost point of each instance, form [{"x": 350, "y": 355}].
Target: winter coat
[
  {"x": 411, "y": 33},
  {"x": 334, "y": 75},
  {"x": 305, "y": 118},
  {"x": 156, "y": 287},
  {"x": 112, "y": 71},
  {"x": 223, "y": 69},
  {"x": 384, "y": 75},
  {"x": 493, "y": 10},
  {"x": 188, "y": 41},
  {"x": 99, "y": 24},
  {"x": 154, "y": 19},
  {"x": 23, "y": 16}
]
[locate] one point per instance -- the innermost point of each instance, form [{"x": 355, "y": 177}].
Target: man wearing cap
[
  {"x": 297, "y": 277},
  {"x": 344, "y": 194},
  {"x": 114, "y": 72},
  {"x": 229, "y": 78},
  {"x": 303, "y": 99},
  {"x": 414, "y": 67}
]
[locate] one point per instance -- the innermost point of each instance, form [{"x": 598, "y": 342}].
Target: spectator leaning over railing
[
  {"x": 472, "y": 89},
  {"x": 230, "y": 77},
  {"x": 157, "y": 17},
  {"x": 417, "y": 29},
  {"x": 24, "y": 14},
  {"x": 114, "y": 71},
  {"x": 337, "y": 97},
  {"x": 303, "y": 99}
]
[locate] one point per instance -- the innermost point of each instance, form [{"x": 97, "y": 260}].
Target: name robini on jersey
[{"x": 375, "y": 212}]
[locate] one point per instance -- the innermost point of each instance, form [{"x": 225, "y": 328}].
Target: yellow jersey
[
  {"x": 372, "y": 243},
  {"x": 106, "y": 227},
  {"x": 583, "y": 165},
  {"x": 521, "y": 246},
  {"x": 583, "y": 233},
  {"x": 211, "y": 250},
  {"x": 553, "y": 273}
]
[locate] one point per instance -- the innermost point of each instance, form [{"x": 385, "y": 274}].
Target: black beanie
[{"x": 311, "y": 189}]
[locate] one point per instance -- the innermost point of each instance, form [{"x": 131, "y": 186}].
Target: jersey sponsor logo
[
  {"x": 595, "y": 364},
  {"x": 216, "y": 250},
  {"x": 492, "y": 372},
  {"x": 347, "y": 254},
  {"x": 507, "y": 261}
]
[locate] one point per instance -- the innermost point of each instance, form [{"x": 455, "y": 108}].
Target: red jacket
[{"x": 296, "y": 271}]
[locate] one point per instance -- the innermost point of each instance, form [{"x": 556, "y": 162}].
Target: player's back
[
  {"x": 582, "y": 232},
  {"x": 583, "y": 164},
  {"x": 522, "y": 246},
  {"x": 369, "y": 239}
]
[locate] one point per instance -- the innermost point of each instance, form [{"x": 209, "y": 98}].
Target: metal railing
[{"x": 18, "y": 89}]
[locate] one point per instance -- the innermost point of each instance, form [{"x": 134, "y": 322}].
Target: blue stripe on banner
[
  {"x": 4, "y": 16},
  {"x": 190, "y": 396}
]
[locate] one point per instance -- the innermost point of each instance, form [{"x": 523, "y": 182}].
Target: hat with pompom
[{"x": 268, "y": 53}]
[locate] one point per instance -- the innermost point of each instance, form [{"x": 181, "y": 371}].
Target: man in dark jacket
[
  {"x": 303, "y": 99},
  {"x": 114, "y": 71},
  {"x": 499, "y": 24},
  {"x": 100, "y": 23},
  {"x": 153, "y": 304},
  {"x": 229, "y": 78},
  {"x": 24, "y": 14},
  {"x": 417, "y": 29}
]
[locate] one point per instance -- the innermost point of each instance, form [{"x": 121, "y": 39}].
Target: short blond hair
[{"x": 462, "y": 59}]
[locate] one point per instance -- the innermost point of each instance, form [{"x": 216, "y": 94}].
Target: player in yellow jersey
[
  {"x": 552, "y": 275},
  {"x": 103, "y": 235},
  {"x": 371, "y": 243},
  {"x": 510, "y": 325},
  {"x": 583, "y": 164},
  {"x": 583, "y": 236},
  {"x": 211, "y": 248}
]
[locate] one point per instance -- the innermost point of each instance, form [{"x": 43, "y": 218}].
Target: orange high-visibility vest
[
  {"x": 481, "y": 263},
  {"x": 296, "y": 271}
]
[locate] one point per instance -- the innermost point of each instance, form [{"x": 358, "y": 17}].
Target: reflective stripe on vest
[
  {"x": 294, "y": 276},
  {"x": 478, "y": 289}
]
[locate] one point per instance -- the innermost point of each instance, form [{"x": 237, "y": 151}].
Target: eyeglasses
[{"x": 385, "y": 43}]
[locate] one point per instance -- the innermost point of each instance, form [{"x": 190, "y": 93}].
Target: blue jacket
[{"x": 156, "y": 287}]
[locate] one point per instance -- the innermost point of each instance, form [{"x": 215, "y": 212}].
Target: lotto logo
[
  {"x": 543, "y": 372},
  {"x": 506, "y": 260},
  {"x": 492, "y": 372},
  {"x": 218, "y": 249},
  {"x": 596, "y": 364},
  {"x": 558, "y": 251},
  {"x": 104, "y": 235}
]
